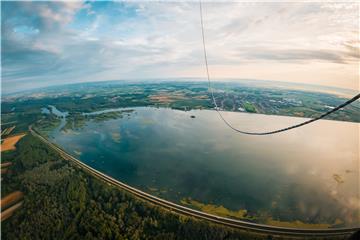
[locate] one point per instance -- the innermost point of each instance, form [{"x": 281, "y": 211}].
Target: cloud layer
[{"x": 47, "y": 43}]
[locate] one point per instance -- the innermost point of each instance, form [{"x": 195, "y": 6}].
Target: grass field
[
  {"x": 298, "y": 224},
  {"x": 214, "y": 209}
]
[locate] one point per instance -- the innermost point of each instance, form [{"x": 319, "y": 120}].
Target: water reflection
[{"x": 309, "y": 174}]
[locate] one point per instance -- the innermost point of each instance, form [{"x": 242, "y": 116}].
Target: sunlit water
[{"x": 309, "y": 174}]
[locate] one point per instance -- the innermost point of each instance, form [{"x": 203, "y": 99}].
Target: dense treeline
[{"x": 63, "y": 202}]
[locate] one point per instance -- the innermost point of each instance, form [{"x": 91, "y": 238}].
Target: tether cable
[{"x": 259, "y": 133}]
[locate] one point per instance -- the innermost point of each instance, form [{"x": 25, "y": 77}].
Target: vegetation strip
[
  {"x": 8, "y": 212},
  {"x": 198, "y": 214},
  {"x": 10, "y": 199},
  {"x": 6, "y": 164}
]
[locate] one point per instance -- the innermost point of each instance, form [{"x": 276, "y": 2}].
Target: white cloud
[{"x": 300, "y": 42}]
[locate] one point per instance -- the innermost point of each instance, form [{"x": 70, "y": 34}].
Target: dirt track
[
  {"x": 10, "y": 199},
  {"x": 6, "y": 164},
  {"x": 9, "y": 212}
]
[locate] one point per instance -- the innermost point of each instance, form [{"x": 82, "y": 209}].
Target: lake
[{"x": 309, "y": 174}]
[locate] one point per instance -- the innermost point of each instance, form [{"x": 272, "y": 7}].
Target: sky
[{"x": 52, "y": 43}]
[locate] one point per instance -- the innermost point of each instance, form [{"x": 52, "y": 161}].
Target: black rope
[{"x": 259, "y": 133}]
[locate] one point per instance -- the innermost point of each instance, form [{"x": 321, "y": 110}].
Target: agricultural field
[{"x": 10, "y": 142}]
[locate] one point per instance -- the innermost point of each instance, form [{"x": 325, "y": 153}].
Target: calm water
[{"x": 309, "y": 174}]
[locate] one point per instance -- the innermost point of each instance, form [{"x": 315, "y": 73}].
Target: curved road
[{"x": 198, "y": 214}]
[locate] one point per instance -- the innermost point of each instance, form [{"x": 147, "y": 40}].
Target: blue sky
[{"x": 50, "y": 43}]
